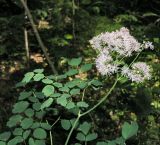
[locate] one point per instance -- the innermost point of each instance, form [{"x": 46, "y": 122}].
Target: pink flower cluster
[
  {"x": 113, "y": 47},
  {"x": 139, "y": 72}
]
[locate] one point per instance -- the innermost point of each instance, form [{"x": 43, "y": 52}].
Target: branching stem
[
  {"x": 96, "y": 105},
  {"x": 43, "y": 47}
]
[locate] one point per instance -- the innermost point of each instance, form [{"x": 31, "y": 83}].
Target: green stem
[
  {"x": 51, "y": 138},
  {"x": 85, "y": 142},
  {"x": 73, "y": 127},
  {"x": 134, "y": 59},
  {"x": 95, "y": 106},
  {"x": 102, "y": 100}
]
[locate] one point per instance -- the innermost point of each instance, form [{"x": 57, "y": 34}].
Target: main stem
[
  {"x": 94, "y": 107},
  {"x": 74, "y": 125},
  {"x": 102, "y": 100},
  {"x": 43, "y": 47},
  {"x": 99, "y": 103}
]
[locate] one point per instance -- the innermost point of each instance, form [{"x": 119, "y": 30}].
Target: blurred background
[{"x": 66, "y": 26}]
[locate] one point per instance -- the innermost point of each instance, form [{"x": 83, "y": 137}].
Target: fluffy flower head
[
  {"x": 104, "y": 64},
  {"x": 113, "y": 47},
  {"x": 119, "y": 41},
  {"x": 139, "y": 72}
]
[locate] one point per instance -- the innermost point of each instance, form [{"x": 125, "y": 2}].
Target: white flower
[
  {"x": 125, "y": 71},
  {"x": 143, "y": 69},
  {"x": 120, "y": 41},
  {"x": 115, "y": 46},
  {"x": 139, "y": 72},
  {"x": 147, "y": 45},
  {"x": 104, "y": 65}
]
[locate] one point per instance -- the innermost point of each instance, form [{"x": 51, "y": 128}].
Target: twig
[
  {"x": 26, "y": 42},
  {"x": 26, "y": 46},
  {"x": 43, "y": 47}
]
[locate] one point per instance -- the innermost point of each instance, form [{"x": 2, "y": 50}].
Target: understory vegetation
[{"x": 79, "y": 72}]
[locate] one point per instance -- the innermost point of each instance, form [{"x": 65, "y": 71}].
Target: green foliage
[
  {"x": 20, "y": 107},
  {"x": 40, "y": 133},
  {"x": 33, "y": 105},
  {"x": 69, "y": 28},
  {"x": 75, "y": 61},
  {"x": 48, "y": 90},
  {"x": 128, "y": 130},
  {"x": 5, "y": 136}
]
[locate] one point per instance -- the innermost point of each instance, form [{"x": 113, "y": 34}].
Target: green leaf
[
  {"x": 129, "y": 130},
  {"x": 64, "y": 89},
  {"x": 27, "y": 77},
  {"x": 47, "y": 81},
  {"x": 48, "y": 90},
  {"x": 80, "y": 136},
  {"x": 47, "y": 103},
  {"x": 33, "y": 99},
  {"x": 96, "y": 83},
  {"x": 39, "y": 70},
  {"x": 74, "y": 110},
  {"x": 70, "y": 105},
  {"x": 26, "y": 134},
  {"x": 15, "y": 141},
  {"x": 58, "y": 85},
  {"x": 72, "y": 72},
  {"x": 66, "y": 95},
  {"x": 150, "y": 14},
  {"x": 40, "y": 114},
  {"x": 120, "y": 141},
  {"x": 38, "y": 77},
  {"x": 91, "y": 136},
  {"x": 60, "y": 77},
  {"x": 111, "y": 143},
  {"x": 2, "y": 143},
  {"x": 122, "y": 80},
  {"x": 82, "y": 84},
  {"x": 75, "y": 61},
  {"x": 55, "y": 95},
  {"x": 82, "y": 104},
  {"x": 35, "y": 125},
  {"x": 39, "y": 95},
  {"x": 31, "y": 141},
  {"x": 40, "y": 133},
  {"x": 5, "y": 136},
  {"x": 102, "y": 143},
  {"x": 71, "y": 84},
  {"x": 85, "y": 127},
  {"x": 29, "y": 112},
  {"x": 27, "y": 123},
  {"x": 62, "y": 101},
  {"x": 40, "y": 142},
  {"x": 20, "y": 107},
  {"x": 46, "y": 126},
  {"x": 66, "y": 124},
  {"x": 14, "y": 120},
  {"x": 72, "y": 121},
  {"x": 20, "y": 84},
  {"x": 36, "y": 106},
  {"x": 18, "y": 131},
  {"x": 85, "y": 68},
  {"x": 24, "y": 95},
  {"x": 75, "y": 91},
  {"x": 68, "y": 36}
]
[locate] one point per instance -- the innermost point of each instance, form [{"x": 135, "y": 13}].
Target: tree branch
[
  {"x": 43, "y": 47},
  {"x": 26, "y": 43}
]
